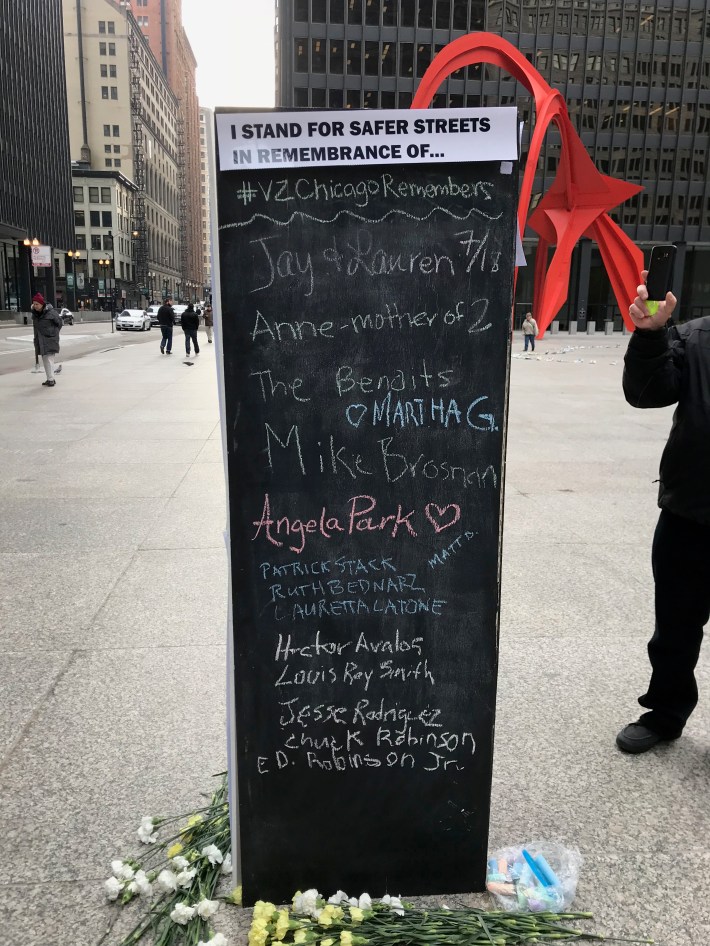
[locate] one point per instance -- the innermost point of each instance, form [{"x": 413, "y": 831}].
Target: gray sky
[{"x": 233, "y": 42}]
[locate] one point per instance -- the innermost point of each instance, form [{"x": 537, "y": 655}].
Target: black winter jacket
[
  {"x": 668, "y": 367},
  {"x": 166, "y": 316},
  {"x": 190, "y": 320}
]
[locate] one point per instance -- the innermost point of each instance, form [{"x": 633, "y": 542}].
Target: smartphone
[{"x": 660, "y": 272}]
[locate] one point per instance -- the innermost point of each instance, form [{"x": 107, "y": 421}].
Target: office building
[
  {"x": 35, "y": 174},
  {"x": 635, "y": 75},
  {"x": 124, "y": 117},
  {"x": 161, "y": 24},
  {"x": 206, "y": 131}
]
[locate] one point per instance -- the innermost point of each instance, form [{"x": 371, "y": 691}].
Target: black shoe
[
  {"x": 636, "y": 738},
  {"x": 168, "y": 353},
  {"x": 209, "y": 340},
  {"x": 49, "y": 384},
  {"x": 162, "y": 351}
]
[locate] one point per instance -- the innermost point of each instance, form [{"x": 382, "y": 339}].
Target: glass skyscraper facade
[
  {"x": 35, "y": 170},
  {"x": 635, "y": 76}
]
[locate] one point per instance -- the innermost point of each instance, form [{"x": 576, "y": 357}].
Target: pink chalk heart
[{"x": 441, "y": 512}]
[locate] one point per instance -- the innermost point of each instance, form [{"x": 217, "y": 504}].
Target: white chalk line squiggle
[{"x": 303, "y": 215}]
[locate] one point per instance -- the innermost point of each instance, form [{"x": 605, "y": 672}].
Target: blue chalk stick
[
  {"x": 537, "y": 873},
  {"x": 547, "y": 871}
]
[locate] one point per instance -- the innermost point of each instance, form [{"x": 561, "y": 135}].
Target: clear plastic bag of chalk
[{"x": 534, "y": 878}]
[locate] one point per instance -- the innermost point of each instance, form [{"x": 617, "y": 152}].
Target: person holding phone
[{"x": 667, "y": 365}]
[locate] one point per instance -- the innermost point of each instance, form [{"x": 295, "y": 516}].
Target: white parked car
[{"x": 134, "y": 319}]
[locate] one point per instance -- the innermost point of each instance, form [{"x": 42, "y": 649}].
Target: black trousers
[
  {"x": 191, "y": 333},
  {"x": 681, "y": 552}
]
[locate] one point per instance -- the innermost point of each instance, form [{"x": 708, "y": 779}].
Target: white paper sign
[
  {"x": 368, "y": 136},
  {"x": 42, "y": 256}
]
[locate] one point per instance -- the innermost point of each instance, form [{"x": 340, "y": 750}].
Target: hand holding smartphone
[{"x": 659, "y": 280}]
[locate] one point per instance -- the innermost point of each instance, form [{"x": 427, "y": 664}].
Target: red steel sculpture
[{"x": 580, "y": 197}]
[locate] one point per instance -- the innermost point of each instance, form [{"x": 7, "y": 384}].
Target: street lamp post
[
  {"x": 105, "y": 266},
  {"x": 151, "y": 275},
  {"x": 73, "y": 255}
]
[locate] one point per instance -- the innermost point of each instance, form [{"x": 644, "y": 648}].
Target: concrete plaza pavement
[{"x": 113, "y": 599}]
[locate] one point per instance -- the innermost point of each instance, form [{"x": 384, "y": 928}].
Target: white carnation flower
[
  {"x": 365, "y": 901},
  {"x": 145, "y": 832},
  {"x": 141, "y": 885},
  {"x": 207, "y": 908},
  {"x": 227, "y": 864},
  {"x": 116, "y": 868},
  {"x": 167, "y": 881},
  {"x": 180, "y": 863},
  {"x": 182, "y": 914},
  {"x": 219, "y": 939},
  {"x": 184, "y": 878},
  {"x": 308, "y": 904},
  {"x": 338, "y": 897},
  {"x": 354, "y": 902},
  {"x": 113, "y": 888},
  {"x": 212, "y": 853}
]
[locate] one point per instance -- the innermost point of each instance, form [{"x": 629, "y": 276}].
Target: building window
[
  {"x": 318, "y": 11},
  {"x": 107, "y": 131},
  {"x": 112, "y": 71},
  {"x": 80, "y": 241},
  {"x": 301, "y": 11},
  {"x": 107, "y": 149},
  {"x": 112, "y": 49},
  {"x": 95, "y": 241},
  {"x": 336, "y": 56},
  {"x": 116, "y": 149},
  {"x": 102, "y": 26},
  {"x": 372, "y": 56},
  {"x": 78, "y": 195},
  {"x": 108, "y": 162},
  {"x": 425, "y": 14},
  {"x": 104, "y": 70},
  {"x": 317, "y": 98},
  {"x": 300, "y": 100},
  {"x": 301, "y": 56},
  {"x": 111, "y": 26},
  {"x": 93, "y": 195},
  {"x": 355, "y": 11},
  {"x": 318, "y": 55},
  {"x": 104, "y": 91},
  {"x": 354, "y": 59},
  {"x": 117, "y": 162},
  {"x": 116, "y": 132},
  {"x": 105, "y": 195},
  {"x": 337, "y": 11},
  {"x": 79, "y": 219},
  {"x": 102, "y": 49},
  {"x": 106, "y": 218},
  {"x": 107, "y": 243},
  {"x": 114, "y": 92},
  {"x": 94, "y": 218}
]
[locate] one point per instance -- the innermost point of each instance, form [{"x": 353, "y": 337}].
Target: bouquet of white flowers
[{"x": 177, "y": 876}]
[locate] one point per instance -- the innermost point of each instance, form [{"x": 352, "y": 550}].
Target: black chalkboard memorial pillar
[{"x": 365, "y": 295}]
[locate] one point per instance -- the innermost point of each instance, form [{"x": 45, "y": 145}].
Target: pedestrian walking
[
  {"x": 671, "y": 365},
  {"x": 209, "y": 322},
  {"x": 529, "y": 331},
  {"x": 166, "y": 320},
  {"x": 46, "y": 325},
  {"x": 190, "y": 322}
]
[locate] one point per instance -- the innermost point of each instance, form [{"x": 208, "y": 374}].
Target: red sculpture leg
[{"x": 623, "y": 261}]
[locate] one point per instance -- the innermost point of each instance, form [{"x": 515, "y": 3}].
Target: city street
[
  {"x": 17, "y": 346},
  {"x": 113, "y": 600}
]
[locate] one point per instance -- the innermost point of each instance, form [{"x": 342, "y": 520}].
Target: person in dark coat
[
  {"x": 209, "y": 322},
  {"x": 190, "y": 322},
  {"x": 166, "y": 320},
  {"x": 46, "y": 325},
  {"x": 671, "y": 365}
]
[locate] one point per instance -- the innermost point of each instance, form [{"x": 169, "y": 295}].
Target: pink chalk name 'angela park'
[{"x": 360, "y": 516}]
